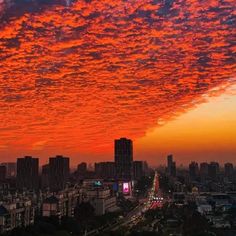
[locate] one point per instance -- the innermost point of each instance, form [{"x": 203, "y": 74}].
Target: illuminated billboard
[{"x": 126, "y": 188}]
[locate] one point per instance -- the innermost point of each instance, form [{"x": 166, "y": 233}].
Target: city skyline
[{"x": 159, "y": 72}]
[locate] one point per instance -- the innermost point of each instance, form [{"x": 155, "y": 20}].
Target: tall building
[
  {"x": 169, "y": 163},
  {"x": 173, "y": 169},
  {"x": 45, "y": 176},
  {"x": 10, "y": 168},
  {"x": 193, "y": 170},
  {"x": 28, "y": 173},
  {"x": 105, "y": 170},
  {"x": 59, "y": 170},
  {"x": 124, "y": 158},
  {"x": 204, "y": 170},
  {"x": 171, "y": 166},
  {"x": 3, "y": 173},
  {"x": 229, "y": 170},
  {"x": 138, "y": 168},
  {"x": 214, "y": 169}
]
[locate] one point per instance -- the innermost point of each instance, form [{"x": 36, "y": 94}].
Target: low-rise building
[
  {"x": 61, "y": 204},
  {"x": 18, "y": 213}
]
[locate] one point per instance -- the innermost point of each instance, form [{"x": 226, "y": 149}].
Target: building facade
[
  {"x": 124, "y": 158},
  {"x": 59, "y": 170},
  {"x": 27, "y": 173}
]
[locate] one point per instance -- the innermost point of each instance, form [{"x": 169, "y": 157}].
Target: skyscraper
[
  {"x": 204, "y": 171},
  {"x": 193, "y": 170},
  {"x": 45, "y": 176},
  {"x": 124, "y": 158},
  {"x": 28, "y": 173},
  {"x": 59, "y": 170},
  {"x": 169, "y": 163},
  {"x": 214, "y": 169},
  {"x": 171, "y": 166}
]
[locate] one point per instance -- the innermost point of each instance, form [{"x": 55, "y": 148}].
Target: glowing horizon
[{"x": 74, "y": 78}]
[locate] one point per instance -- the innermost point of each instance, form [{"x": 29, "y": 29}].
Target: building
[
  {"x": 204, "y": 171},
  {"x": 169, "y": 163},
  {"x": 124, "y": 158},
  {"x": 82, "y": 169},
  {"x": 229, "y": 170},
  {"x": 61, "y": 204},
  {"x": 214, "y": 169},
  {"x": 45, "y": 176},
  {"x": 28, "y": 173},
  {"x": 10, "y": 169},
  {"x": 3, "y": 173},
  {"x": 105, "y": 170},
  {"x": 139, "y": 169},
  {"x": 193, "y": 170},
  {"x": 101, "y": 199},
  {"x": 171, "y": 166},
  {"x": 17, "y": 213},
  {"x": 59, "y": 170}
]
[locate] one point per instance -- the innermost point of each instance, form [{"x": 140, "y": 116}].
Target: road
[{"x": 154, "y": 200}]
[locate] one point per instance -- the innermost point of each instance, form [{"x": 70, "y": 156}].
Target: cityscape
[
  {"x": 123, "y": 197},
  {"x": 117, "y": 118}
]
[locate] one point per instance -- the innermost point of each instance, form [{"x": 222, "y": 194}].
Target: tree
[
  {"x": 195, "y": 225},
  {"x": 84, "y": 212}
]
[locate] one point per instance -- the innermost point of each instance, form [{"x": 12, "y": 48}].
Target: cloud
[{"x": 79, "y": 77}]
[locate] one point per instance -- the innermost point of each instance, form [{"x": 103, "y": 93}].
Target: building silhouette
[
  {"x": 139, "y": 169},
  {"x": 10, "y": 169},
  {"x": 229, "y": 170},
  {"x": 171, "y": 166},
  {"x": 3, "y": 173},
  {"x": 124, "y": 158},
  {"x": 59, "y": 170},
  {"x": 105, "y": 170},
  {"x": 27, "y": 173},
  {"x": 204, "y": 171},
  {"x": 45, "y": 176},
  {"x": 214, "y": 169},
  {"x": 193, "y": 170},
  {"x": 82, "y": 168}
]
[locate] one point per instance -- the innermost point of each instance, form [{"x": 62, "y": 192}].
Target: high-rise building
[
  {"x": 229, "y": 170},
  {"x": 28, "y": 173},
  {"x": 105, "y": 170},
  {"x": 171, "y": 166},
  {"x": 193, "y": 170},
  {"x": 124, "y": 158},
  {"x": 59, "y": 170},
  {"x": 204, "y": 170},
  {"x": 214, "y": 169},
  {"x": 3, "y": 173},
  {"x": 173, "y": 169},
  {"x": 45, "y": 176},
  {"x": 169, "y": 163},
  {"x": 10, "y": 168},
  {"x": 138, "y": 168}
]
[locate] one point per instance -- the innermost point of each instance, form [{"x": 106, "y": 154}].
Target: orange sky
[
  {"x": 74, "y": 78},
  {"x": 205, "y": 133}
]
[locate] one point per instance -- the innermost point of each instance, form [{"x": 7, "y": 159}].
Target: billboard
[{"x": 126, "y": 188}]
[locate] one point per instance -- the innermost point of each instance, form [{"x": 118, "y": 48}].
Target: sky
[{"x": 75, "y": 75}]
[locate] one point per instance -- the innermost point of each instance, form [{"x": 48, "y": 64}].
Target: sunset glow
[{"x": 76, "y": 75}]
